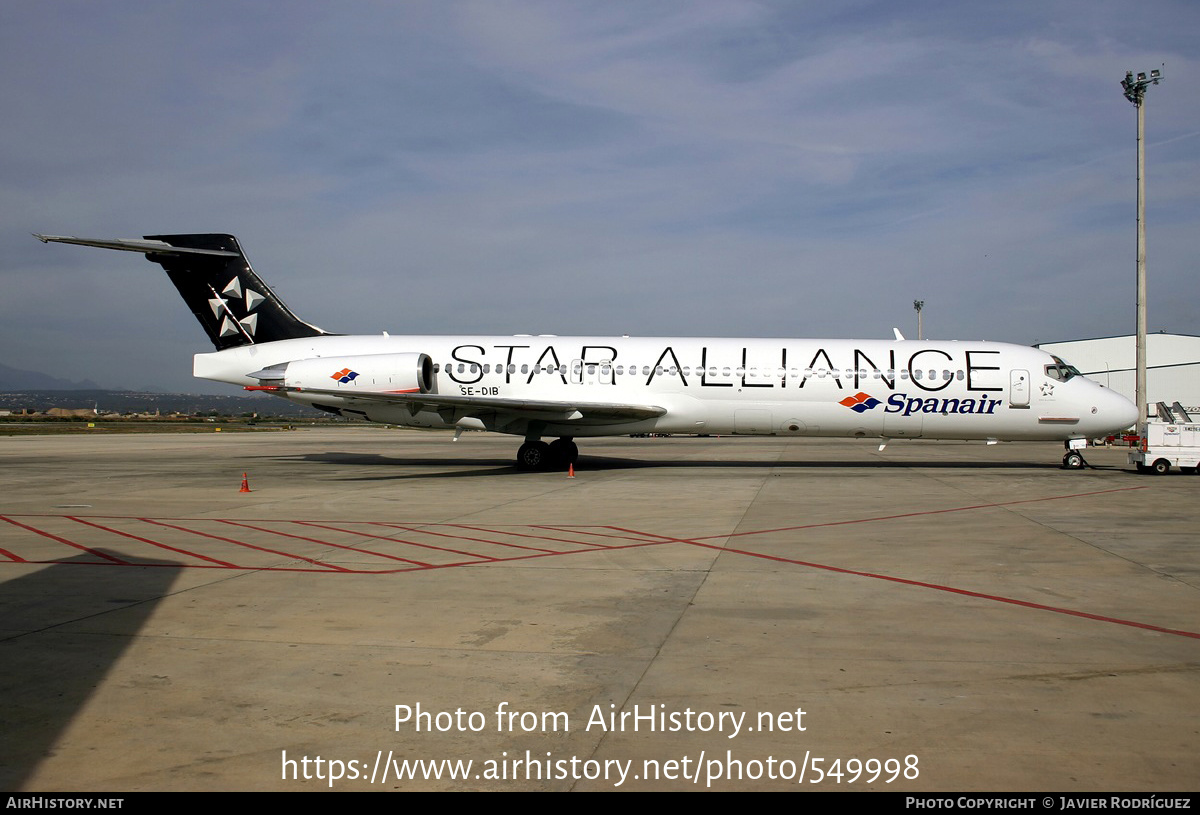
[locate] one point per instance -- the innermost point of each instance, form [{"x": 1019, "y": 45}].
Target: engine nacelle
[{"x": 370, "y": 373}]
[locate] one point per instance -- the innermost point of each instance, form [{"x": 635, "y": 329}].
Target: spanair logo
[
  {"x": 345, "y": 376},
  {"x": 860, "y": 402}
]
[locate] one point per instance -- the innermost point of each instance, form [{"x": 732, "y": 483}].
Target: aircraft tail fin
[{"x": 211, "y": 272}]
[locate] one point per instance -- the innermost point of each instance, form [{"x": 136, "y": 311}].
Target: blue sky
[{"x": 709, "y": 168}]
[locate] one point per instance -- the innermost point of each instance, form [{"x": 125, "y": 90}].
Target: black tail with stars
[
  {"x": 211, "y": 272},
  {"x": 232, "y": 303}
]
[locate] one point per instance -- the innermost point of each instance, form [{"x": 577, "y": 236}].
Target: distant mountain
[
  {"x": 134, "y": 402},
  {"x": 14, "y": 379},
  {"x": 31, "y": 390}
]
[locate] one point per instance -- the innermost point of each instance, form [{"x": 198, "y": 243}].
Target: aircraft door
[{"x": 1018, "y": 388}]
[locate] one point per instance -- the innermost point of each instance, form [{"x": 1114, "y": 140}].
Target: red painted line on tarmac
[
  {"x": 919, "y": 514},
  {"x": 527, "y": 535},
  {"x": 938, "y": 587},
  {"x": 292, "y": 555},
  {"x": 426, "y": 531},
  {"x": 300, "y": 569},
  {"x": 130, "y": 535},
  {"x": 633, "y": 535},
  {"x": 405, "y": 541},
  {"x": 522, "y": 552},
  {"x": 80, "y": 546},
  {"x": 516, "y": 557},
  {"x": 325, "y": 543}
]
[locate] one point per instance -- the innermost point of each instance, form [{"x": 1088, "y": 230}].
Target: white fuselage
[{"x": 864, "y": 388}]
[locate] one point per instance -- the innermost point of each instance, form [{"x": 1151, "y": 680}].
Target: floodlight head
[{"x": 1135, "y": 89}]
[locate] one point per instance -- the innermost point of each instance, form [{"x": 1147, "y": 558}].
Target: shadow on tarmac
[
  {"x": 62, "y": 629},
  {"x": 434, "y": 467}
]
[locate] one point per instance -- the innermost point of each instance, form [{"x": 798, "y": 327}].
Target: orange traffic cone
[
  {"x": 245, "y": 484},
  {"x": 571, "y": 470}
]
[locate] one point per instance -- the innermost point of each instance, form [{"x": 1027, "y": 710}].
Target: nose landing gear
[{"x": 1073, "y": 460}]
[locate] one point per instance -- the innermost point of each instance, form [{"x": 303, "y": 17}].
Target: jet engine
[{"x": 377, "y": 373}]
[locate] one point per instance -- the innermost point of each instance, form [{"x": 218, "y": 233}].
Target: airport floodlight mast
[
  {"x": 1135, "y": 91},
  {"x": 919, "y": 305}
]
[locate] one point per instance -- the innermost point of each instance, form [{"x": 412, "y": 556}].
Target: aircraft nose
[{"x": 1120, "y": 411}]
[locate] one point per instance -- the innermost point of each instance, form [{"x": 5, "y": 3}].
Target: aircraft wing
[{"x": 462, "y": 406}]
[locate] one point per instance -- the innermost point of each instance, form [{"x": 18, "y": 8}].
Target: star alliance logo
[
  {"x": 860, "y": 402},
  {"x": 231, "y": 325},
  {"x": 345, "y": 376}
]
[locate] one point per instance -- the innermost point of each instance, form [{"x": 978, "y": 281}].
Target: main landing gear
[{"x": 536, "y": 454}]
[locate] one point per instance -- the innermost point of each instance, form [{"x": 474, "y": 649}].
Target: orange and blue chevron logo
[
  {"x": 344, "y": 376},
  {"x": 860, "y": 402}
]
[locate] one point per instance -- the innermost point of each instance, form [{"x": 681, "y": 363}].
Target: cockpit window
[{"x": 1061, "y": 370}]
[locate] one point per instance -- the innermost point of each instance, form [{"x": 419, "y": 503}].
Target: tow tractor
[{"x": 1171, "y": 441}]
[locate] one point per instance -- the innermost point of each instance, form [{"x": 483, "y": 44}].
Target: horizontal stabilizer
[
  {"x": 211, "y": 272},
  {"x": 145, "y": 247}
]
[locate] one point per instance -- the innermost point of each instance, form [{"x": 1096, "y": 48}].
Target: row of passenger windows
[{"x": 711, "y": 372}]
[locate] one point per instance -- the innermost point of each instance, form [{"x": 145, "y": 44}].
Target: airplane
[{"x": 547, "y": 386}]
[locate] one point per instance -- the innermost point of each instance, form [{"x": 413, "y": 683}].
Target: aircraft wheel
[
  {"x": 1161, "y": 466},
  {"x": 534, "y": 455},
  {"x": 564, "y": 452},
  {"x": 1073, "y": 461}
]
